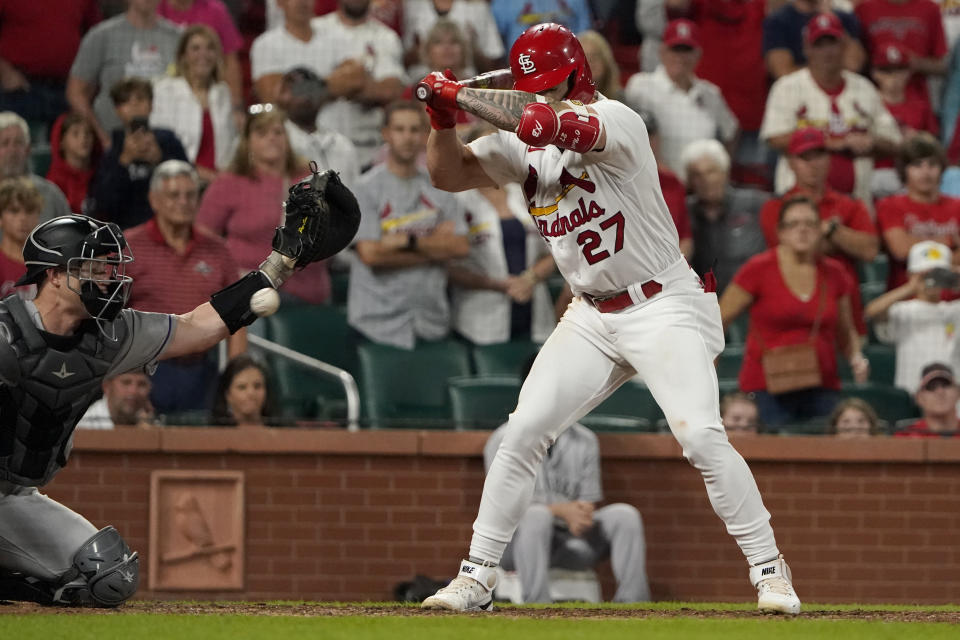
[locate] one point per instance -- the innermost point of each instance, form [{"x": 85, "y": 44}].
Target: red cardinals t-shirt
[
  {"x": 10, "y": 272},
  {"x": 913, "y": 114},
  {"x": 778, "y": 317},
  {"x": 852, "y": 213},
  {"x": 675, "y": 195},
  {"x": 938, "y": 221},
  {"x": 917, "y": 24},
  {"x": 920, "y": 429}
]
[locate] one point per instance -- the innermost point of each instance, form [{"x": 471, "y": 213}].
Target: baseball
[{"x": 265, "y": 302}]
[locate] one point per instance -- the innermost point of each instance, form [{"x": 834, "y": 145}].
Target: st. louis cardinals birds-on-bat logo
[{"x": 567, "y": 182}]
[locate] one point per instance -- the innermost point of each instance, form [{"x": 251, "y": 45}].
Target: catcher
[{"x": 56, "y": 350}]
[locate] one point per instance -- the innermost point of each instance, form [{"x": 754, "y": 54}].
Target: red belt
[{"x": 622, "y": 300}]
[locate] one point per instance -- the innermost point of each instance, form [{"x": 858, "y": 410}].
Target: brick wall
[{"x": 341, "y": 516}]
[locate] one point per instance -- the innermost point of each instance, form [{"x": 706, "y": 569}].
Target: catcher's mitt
[{"x": 321, "y": 217}]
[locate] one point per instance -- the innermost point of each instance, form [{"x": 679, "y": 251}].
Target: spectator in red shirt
[
  {"x": 674, "y": 193},
  {"x": 178, "y": 265},
  {"x": 795, "y": 296},
  {"x": 73, "y": 156},
  {"x": 937, "y": 398},
  {"x": 848, "y": 233},
  {"x": 38, "y": 41},
  {"x": 917, "y": 24},
  {"x": 20, "y": 204},
  {"x": 922, "y": 213},
  {"x": 891, "y": 72}
]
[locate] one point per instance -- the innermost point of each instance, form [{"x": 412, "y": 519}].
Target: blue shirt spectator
[{"x": 513, "y": 18}]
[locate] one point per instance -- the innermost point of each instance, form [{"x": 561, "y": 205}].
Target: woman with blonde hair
[
  {"x": 196, "y": 103},
  {"x": 603, "y": 66},
  {"x": 243, "y": 203}
]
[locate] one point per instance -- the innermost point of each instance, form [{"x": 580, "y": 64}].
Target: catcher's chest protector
[{"x": 39, "y": 413}]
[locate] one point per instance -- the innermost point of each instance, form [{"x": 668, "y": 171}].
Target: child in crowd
[
  {"x": 20, "y": 205},
  {"x": 73, "y": 158},
  {"x": 891, "y": 72}
]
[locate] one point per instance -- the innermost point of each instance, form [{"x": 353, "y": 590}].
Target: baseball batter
[
  {"x": 56, "y": 350},
  {"x": 590, "y": 179}
]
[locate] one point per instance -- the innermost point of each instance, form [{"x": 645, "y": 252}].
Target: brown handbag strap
[{"x": 821, "y": 286}]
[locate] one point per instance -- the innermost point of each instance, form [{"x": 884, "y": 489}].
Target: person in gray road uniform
[{"x": 56, "y": 350}]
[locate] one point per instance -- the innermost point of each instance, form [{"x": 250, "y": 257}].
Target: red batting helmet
[{"x": 548, "y": 54}]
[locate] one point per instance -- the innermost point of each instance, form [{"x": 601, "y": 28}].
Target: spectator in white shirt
[
  {"x": 686, "y": 107},
  {"x": 923, "y": 328},
  {"x": 196, "y": 103},
  {"x": 125, "y": 402},
  {"x": 474, "y": 18},
  {"x": 359, "y": 58},
  {"x": 301, "y": 94}
]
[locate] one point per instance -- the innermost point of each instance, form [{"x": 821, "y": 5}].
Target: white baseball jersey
[
  {"x": 796, "y": 101},
  {"x": 602, "y": 213}
]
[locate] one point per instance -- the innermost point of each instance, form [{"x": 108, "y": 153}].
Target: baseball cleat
[
  {"x": 775, "y": 592},
  {"x": 471, "y": 590}
]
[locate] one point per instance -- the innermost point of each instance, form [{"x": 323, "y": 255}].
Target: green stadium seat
[
  {"x": 875, "y": 271},
  {"x": 883, "y": 362},
  {"x": 604, "y": 423},
  {"x": 482, "y": 402},
  {"x": 339, "y": 284},
  {"x": 811, "y": 427},
  {"x": 728, "y": 386},
  {"x": 401, "y": 388},
  {"x": 871, "y": 290},
  {"x": 890, "y": 403},
  {"x": 737, "y": 330},
  {"x": 729, "y": 362},
  {"x": 321, "y": 332},
  {"x": 506, "y": 358},
  {"x": 632, "y": 399},
  {"x": 40, "y": 160},
  {"x": 555, "y": 285}
]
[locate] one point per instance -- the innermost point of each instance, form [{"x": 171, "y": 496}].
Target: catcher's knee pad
[{"x": 111, "y": 570}]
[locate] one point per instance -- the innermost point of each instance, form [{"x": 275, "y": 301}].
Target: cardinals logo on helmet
[{"x": 526, "y": 64}]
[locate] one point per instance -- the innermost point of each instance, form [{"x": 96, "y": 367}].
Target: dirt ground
[{"x": 317, "y": 609}]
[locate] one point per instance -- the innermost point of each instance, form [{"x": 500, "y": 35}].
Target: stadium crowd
[{"x": 808, "y": 153}]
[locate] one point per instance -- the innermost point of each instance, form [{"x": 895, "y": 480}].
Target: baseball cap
[
  {"x": 935, "y": 371},
  {"x": 806, "y": 139},
  {"x": 682, "y": 33},
  {"x": 927, "y": 255},
  {"x": 891, "y": 55},
  {"x": 822, "y": 25}
]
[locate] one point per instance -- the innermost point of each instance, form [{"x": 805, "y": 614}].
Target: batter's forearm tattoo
[{"x": 500, "y": 108}]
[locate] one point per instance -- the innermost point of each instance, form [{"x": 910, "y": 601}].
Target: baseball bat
[{"x": 498, "y": 79}]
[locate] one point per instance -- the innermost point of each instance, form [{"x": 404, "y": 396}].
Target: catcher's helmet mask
[{"x": 94, "y": 256}]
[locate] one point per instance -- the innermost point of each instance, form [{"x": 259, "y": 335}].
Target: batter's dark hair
[
  {"x": 221, "y": 415},
  {"x": 794, "y": 201}
]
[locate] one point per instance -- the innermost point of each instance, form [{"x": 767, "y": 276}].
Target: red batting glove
[
  {"x": 442, "y": 118},
  {"x": 444, "y": 87}
]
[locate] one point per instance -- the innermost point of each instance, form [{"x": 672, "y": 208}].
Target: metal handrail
[{"x": 347, "y": 380}]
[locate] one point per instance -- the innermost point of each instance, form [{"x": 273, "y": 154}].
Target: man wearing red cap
[
  {"x": 686, "y": 107},
  {"x": 590, "y": 180},
  {"x": 783, "y": 36},
  {"x": 848, "y": 232},
  {"x": 918, "y": 25},
  {"x": 846, "y": 106},
  {"x": 891, "y": 71}
]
